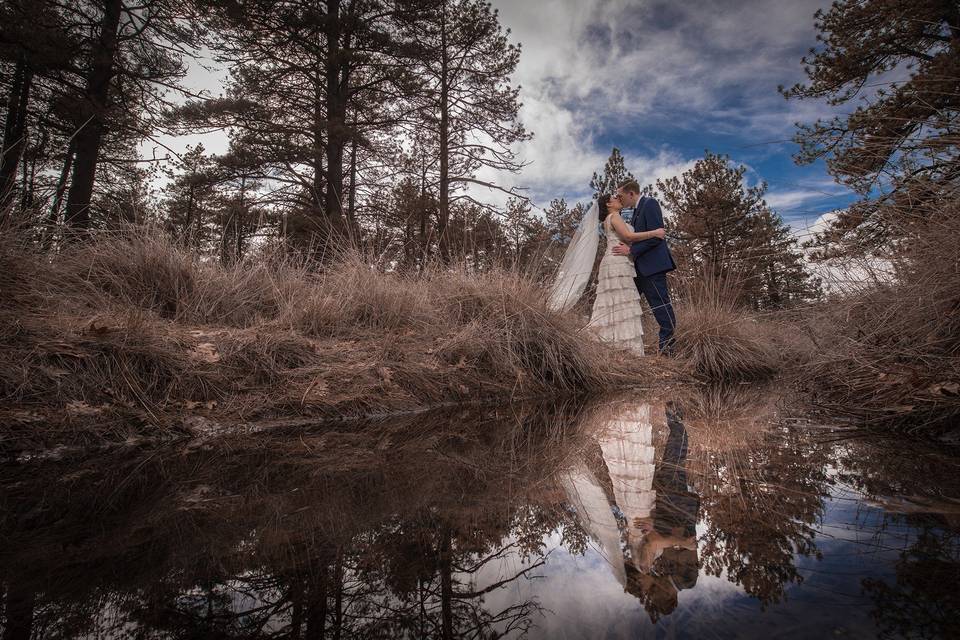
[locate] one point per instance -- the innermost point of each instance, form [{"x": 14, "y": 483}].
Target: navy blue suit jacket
[{"x": 650, "y": 256}]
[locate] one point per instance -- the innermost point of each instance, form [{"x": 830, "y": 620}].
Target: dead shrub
[
  {"x": 141, "y": 269},
  {"x": 718, "y": 339},
  {"x": 507, "y": 332},
  {"x": 375, "y": 300},
  {"x": 247, "y": 294},
  {"x": 131, "y": 360},
  {"x": 316, "y": 313},
  {"x": 257, "y": 358}
]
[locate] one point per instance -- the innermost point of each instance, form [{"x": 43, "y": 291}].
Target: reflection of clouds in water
[
  {"x": 789, "y": 528},
  {"x": 582, "y": 598}
]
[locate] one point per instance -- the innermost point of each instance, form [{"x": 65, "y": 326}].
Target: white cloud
[{"x": 793, "y": 198}]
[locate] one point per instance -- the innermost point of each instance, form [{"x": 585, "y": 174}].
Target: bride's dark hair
[{"x": 602, "y": 201}]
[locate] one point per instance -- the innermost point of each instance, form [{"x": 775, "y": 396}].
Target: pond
[{"x": 711, "y": 514}]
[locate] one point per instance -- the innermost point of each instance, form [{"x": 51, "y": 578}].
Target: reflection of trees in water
[
  {"x": 902, "y": 476},
  {"x": 756, "y": 490},
  {"x": 916, "y": 484},
  {"x": 761, "y": 491},
  {"x": 392, "y": 532},
  {"x": 408, "y": 529},
  {"x": 924, "y": 601}
]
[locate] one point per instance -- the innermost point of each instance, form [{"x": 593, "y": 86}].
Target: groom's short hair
[{"x": 630, "y": 185}]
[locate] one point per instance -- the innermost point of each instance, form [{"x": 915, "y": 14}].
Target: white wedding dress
[{"x": 617, "y": 310}]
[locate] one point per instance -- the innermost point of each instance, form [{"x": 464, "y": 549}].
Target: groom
[{"x": 651, "y": 258}]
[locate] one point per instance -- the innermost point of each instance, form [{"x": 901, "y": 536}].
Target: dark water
[{"x": 706, "y": 516}]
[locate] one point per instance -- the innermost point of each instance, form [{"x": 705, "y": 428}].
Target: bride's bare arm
[{"x": 623, "y": 231}]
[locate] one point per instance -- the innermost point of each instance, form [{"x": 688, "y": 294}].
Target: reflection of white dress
[
  {"x": 616, "y": 310},
  {"x": 586, "y": 496},
  {"x": 627, "y": 447},
  {"x": 626, "y": 443}
]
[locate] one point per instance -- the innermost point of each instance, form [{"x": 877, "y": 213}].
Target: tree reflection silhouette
[
  {"x": 314, "y": 539},
  {"x": 924, "y": 601},
  {"x": 916, "y": 484},
  {"x": 761, "y": 491},
  {"x": 431, "y": 526}
]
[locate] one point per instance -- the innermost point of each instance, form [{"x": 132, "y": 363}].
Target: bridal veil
[{"x": 577, "y": 264}]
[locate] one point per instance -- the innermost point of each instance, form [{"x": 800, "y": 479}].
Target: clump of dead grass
[{"x": 720, "y": 340}]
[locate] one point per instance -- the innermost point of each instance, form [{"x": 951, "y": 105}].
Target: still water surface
[{"x": 703, "y": 516}]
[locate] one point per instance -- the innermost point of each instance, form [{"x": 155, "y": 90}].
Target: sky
[{"x": 662, "y": 80}]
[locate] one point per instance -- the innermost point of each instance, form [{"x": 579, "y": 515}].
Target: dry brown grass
[
  {"x": 890, "y": 355},
  {"x": 129, "y": 320},
  {"x": 719, "y": 340}
]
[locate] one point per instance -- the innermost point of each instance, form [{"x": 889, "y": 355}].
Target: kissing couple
[{"x": 635, "y": 263}]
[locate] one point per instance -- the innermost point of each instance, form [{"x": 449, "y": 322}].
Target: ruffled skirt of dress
[{"x": 617, "y": 311}]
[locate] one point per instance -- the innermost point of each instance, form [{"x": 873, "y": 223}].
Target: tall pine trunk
[
  {"x": 241, "y": 221},
  {"x": 446, "y": 585},
  {"x": 352, "y": 200},
  {"x": 40, "y": 150},
  {"x": 90, "y": 136},
  {"x": 443, "y": 216},
  {"x": 319, "y": 145},
  {"x": 18, "y": 611},
  {"x": 336, "y": 79},
  {"x": 62, "y": 184},
  {"x": 15, "y": 130},
  {"x": 317, "y": 606}
]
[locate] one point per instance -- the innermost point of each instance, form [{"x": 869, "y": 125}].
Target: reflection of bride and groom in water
[
  {"x": 472, "y": 523},
  {"x": 637, "y": 506}
]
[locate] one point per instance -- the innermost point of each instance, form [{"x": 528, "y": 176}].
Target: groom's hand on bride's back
[{"x": 621, "y": 250}]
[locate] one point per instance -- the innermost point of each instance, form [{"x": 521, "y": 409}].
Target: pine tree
[
  {"x": 561, "y": 223},
  {"x": 780, "y": 274},
  {"x": 899, "y": 140},
  {"x": 518, "y": 225},
  {"x": 125, "y": 194},
  {"x": 312, "y": 83},
  {"x": 190, "y": 205},
  {"x": 416, "y": 165},
  {"x": 476, "y": 236},
  {"x": 614, "y": 174},
  {"x": 37, "y": 47},
  {"x": 133, "y": 56},
  {"x": 238, "y": 180},
  {"x": 724, "y": 230},
  {"x": 404, "y": 224},
  {"x": 467, "y": 102}
]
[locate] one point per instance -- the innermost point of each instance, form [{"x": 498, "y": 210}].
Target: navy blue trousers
[{"x": 654, "y": 289}]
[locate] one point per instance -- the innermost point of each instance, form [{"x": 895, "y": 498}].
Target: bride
[{"x": 616, "y": 310}]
